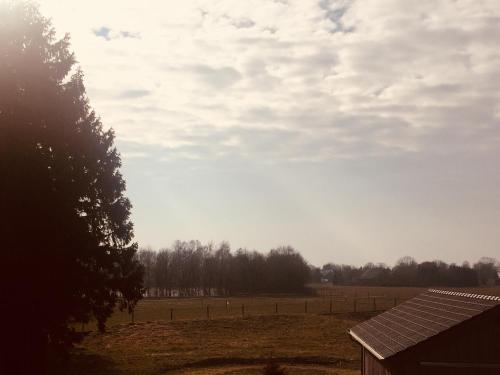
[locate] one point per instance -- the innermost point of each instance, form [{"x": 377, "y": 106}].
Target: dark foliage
[{"x": 66, "y": 252}]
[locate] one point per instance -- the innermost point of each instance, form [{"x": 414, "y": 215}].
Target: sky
[{"x": 354, "y": 130}]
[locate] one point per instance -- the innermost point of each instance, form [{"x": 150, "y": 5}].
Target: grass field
[
  {"x": 313, "y": 342},
  {"x": 325, "y": 300},
  {"x": 229, "y": 342},
  {"x": 216, "y": 308}
]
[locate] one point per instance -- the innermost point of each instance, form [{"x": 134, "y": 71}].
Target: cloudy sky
[{"x": 354, "y": 130}]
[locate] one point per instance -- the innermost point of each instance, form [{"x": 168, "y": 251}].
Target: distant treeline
[
  {"x": 193, "y": 269},
  {"x": 407, "y": 272},
  {"x": 190, "y": 268}
]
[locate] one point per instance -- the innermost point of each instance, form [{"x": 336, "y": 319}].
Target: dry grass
[
  {"x": 257, "y": 370},
  {"x": 390, "y": 292},
  {"x": 342, "y": 299},
  {"x": 216, "y": 308},
  {"x": 314, "y": 343},
  {"x": 196, "y": 309}
]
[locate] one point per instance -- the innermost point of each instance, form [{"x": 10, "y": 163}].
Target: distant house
[{"x": 437, "y": 332}]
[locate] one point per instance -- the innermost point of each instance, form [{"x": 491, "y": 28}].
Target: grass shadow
[{"x": 82, "y": 362}]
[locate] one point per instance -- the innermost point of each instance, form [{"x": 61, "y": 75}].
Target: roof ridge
[{"x": 463, "y": 294}]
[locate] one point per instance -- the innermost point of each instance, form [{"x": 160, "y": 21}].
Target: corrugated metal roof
[{"x": 418, "y": 319}]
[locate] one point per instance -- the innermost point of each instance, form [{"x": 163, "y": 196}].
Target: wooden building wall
[
  {"x": 471, "y": 348},
  {"x": 372, "y": 366}
]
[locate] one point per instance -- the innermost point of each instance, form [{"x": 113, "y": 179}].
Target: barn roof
[{"x": 418, "y": 319}]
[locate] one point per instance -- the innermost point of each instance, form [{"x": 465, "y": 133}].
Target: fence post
[
  {"x": 208, "y": 312},
  {"x": 374, "y": 304},
  {"x": 395, "y": 301},
  {"x": 132, "y": 317},
  {"x": 243, "y": 310},
  {"x": 331, "y": 305},
  {"x": 276, "y": 308},
  {"x": 227, "y": 306},
  {"x": 171, "y": 314}
]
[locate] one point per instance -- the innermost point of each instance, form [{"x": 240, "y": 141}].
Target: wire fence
[{"x": 175, "y": 309}]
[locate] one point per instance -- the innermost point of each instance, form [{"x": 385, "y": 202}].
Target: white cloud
[
  {"x": 291, "y": 80},
  {"x": 364, "y": 127}
]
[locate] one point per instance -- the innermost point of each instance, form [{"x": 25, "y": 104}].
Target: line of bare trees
[
  {"x": 190, "y": 268},
  {"x": 407, "y": 272}
]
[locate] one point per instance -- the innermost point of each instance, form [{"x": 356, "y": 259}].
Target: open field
[
  {"x": 326, "y": 299},
  {"x": 391, "y": 292},
  {"x": 323, "y": 300},
  {"x": 314, "y": 343},
  {"x": 238, "y": 307},
  {"x": 231, "y": 343}
]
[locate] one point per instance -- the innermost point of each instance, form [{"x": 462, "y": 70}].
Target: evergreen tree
[{"x": 66, "y": 245}]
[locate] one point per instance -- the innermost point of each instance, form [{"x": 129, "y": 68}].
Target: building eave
[{"x": 365, "y": 345}]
